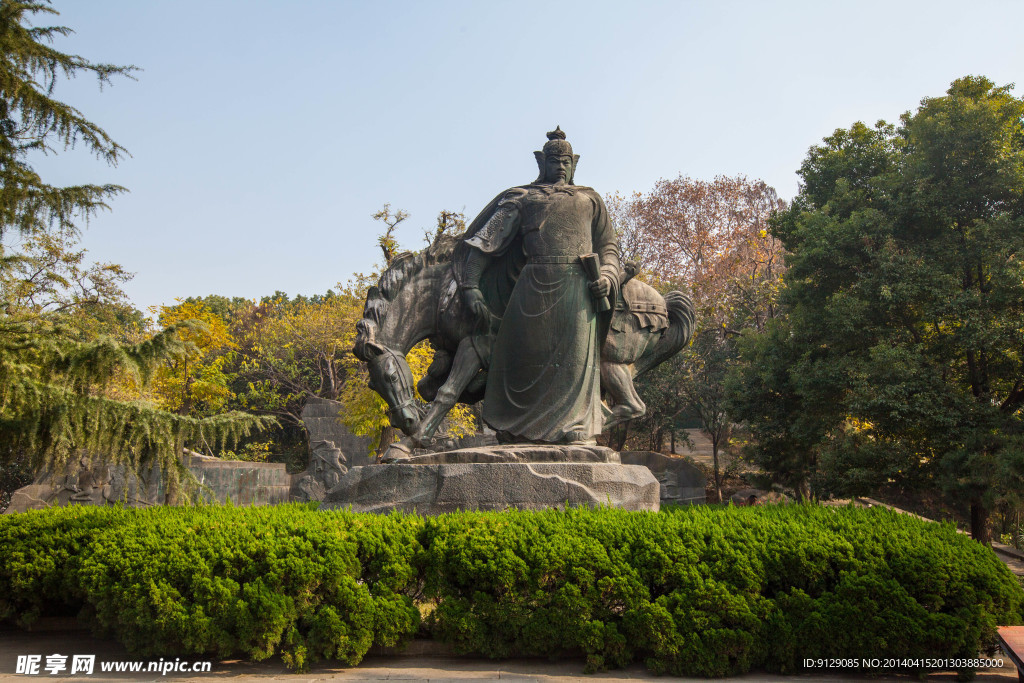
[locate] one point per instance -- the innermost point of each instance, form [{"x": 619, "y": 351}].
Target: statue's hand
[
  {"x": 475, "y": 302},
  {"x": 601, "y": 287}
]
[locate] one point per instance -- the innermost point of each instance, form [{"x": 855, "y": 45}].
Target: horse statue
[{"x": 417, "y": 298}]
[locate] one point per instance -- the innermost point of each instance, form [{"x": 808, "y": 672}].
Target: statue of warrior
[
  {"x": 520, "y": 313},
  {"x": 522, "y": 271}
]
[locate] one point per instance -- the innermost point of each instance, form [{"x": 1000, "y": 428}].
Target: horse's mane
[{"x": 403, "y": 268}]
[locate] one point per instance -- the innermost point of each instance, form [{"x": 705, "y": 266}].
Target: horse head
[
  {"x": 391, "y": 377},
  {"x": 400, "y": 311}
]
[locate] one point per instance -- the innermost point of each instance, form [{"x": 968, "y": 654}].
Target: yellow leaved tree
[{"x": 195, "y": 383}]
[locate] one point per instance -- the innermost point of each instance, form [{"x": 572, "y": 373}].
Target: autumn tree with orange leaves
[{"x": 709, "y": 239}]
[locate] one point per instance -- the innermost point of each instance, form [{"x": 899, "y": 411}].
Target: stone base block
[
  {"x": 520, "y": 453},
  {"x": 431, "y": 489}
]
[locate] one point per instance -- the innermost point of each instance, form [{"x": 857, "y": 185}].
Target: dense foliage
[
  {"x": 900, "y": 359},
  {"x": 253, "y": 581},
  {"x": 691, "y": 591},
  {"x": 710, "y": 240},
  {"x": 60, "y": 368}
]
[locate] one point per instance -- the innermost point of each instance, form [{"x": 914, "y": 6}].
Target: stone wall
[
  {"x": 244, "y": 483},
  {"x": 682, "y": 482},
  {"x": 322, "y": 420}
]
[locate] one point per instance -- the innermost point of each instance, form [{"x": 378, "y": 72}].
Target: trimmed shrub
[
  {"x": 39, "y": 555},
  {"x": 704, "y": 591},
  {"x": 224, "y": 580},
  {"x": 695, "y": 591}
]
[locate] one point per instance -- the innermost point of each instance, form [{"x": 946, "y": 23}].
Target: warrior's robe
[{"x": 544, "y": 376}]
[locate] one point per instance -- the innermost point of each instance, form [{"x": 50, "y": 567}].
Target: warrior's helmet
[{"x": 556, "y": 145}]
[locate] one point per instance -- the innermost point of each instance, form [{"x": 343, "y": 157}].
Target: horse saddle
[{"x": 641, "y": 305}]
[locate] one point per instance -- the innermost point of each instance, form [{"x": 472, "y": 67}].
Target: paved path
[
  {"x": 1016, "y": 565},
  {"x": 701, "y": 451},
  {"x": 373, "y": 668}
]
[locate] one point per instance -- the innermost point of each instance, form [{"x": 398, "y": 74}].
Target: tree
[
  {"x": 906, "y": 291},
  {"x": 766, "y": 394},
  {"x": 703, "y": 374},
  {"x": 33, "y": 121},
  {"x": 53, "y": 385},
  {"x": 290, "y": 350},
  {"x": 711, "y": 240},
  {"x": 194, "y": 382},
  {"x": 710, "y": 237},
  {"x": 387, "y": 241},
  {"x": 50, "y": 276}
]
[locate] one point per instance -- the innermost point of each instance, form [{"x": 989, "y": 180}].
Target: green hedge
[
  {"x": 220, "y": 580},
  {"x": 695, "y": 591}
]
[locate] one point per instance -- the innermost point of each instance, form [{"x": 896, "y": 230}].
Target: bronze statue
[
  {"x": 543, "y": 382},
  {"x": 514, "y": 310}
]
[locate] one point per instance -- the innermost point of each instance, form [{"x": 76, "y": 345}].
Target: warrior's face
[{"x": 558, "y": 168}]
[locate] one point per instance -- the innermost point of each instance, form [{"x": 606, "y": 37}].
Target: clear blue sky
[{"x": 264, "y": 134}]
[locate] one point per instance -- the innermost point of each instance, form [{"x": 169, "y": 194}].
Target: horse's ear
[
  {"x": 366, "y": 330},
  {"x": 372, "y": 349},
  {"x": 367, "y": 349}
]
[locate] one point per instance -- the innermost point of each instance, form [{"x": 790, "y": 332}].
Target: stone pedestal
[{"x": 497, "y": 478}]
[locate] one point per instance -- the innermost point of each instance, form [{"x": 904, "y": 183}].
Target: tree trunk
[
  {"x": 618, "y": 436},
  {"x": 657, "y": 440},
  {"x": 387, "y": 436},
  {"x": 327, "y": 382},
  {"x": 186, "y": 393},
  {"x": 718, "y": 474},
  {"x": 672, "y": 441},
  {"x": 802, "y": 490},
  {"x": 979, "y": 522}
]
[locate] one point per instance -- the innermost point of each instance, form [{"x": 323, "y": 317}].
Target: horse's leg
[
  {"x": 465, "y": 366},
  {"x": 617, "y": 380},
  {"x": 436, "y": 374}
]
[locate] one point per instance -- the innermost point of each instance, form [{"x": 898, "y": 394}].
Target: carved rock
[
  {"x": 431, "y": 489},
  {"x": 506, "y": 453},
  {"x": 331, "y": 445},
  {"x": 326, "y": 468}
]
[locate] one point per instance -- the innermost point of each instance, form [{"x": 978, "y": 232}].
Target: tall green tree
[
  {"x": 53, "y": 385},
  {"x": 32, "y": 120},
  {"x": 904, "y": 345}
]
